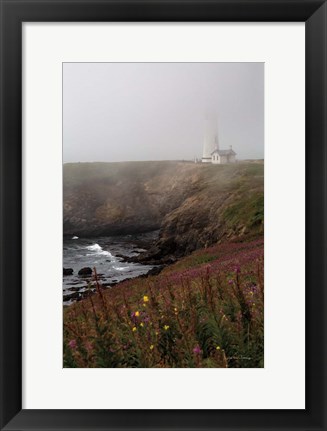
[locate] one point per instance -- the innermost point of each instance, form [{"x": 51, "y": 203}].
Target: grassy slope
[{"x": 204, "y": 311}]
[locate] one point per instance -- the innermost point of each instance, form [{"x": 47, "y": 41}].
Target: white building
[
  {"x": 223, "y": 156},
  {"x": 211, "y": 151}
]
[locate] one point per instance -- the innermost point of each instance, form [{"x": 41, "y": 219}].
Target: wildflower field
[{"x": 206, "y": 310}]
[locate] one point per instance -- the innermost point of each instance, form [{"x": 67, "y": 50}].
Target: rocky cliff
[{"x": 193, "y": 205}]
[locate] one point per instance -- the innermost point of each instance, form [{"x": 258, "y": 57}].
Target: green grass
[{"x": 247, "y": 211}]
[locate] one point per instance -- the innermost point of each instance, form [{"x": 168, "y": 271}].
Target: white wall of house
[{"x": 216, "y": 159}]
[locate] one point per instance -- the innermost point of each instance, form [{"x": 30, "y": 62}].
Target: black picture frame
[{"x": 13, "y": 14}]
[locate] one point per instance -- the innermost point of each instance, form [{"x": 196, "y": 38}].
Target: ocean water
[{"x": 103, "y": 253}]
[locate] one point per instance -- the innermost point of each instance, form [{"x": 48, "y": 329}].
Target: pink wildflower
[
  {"x": 197, "y": 350},
  {"x": 72, "y": 344}
]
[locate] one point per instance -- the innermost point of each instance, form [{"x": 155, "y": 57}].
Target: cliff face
[
  {"x": 119, "y": 198},
  {"x": 194, "y": 205}
]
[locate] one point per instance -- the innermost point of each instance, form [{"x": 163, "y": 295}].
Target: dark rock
[
  {"x": 168, "y": 260},
  {"x": 74, "y": 296},
  {"x": 85, "y": 271},
  {"x": 156, "y": 270},
  {"x": 68, "y": 271},
  {"x": 78, "y": 296}
]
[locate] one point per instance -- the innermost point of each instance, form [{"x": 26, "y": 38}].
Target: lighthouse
[
  {"x": 210, "y": 142},
  {"x": 211, "y": 151}
]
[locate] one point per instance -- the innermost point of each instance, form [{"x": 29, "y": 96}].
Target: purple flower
[
  {"x": 72, "y": 344},
  {"x": 197, "y": 350}
]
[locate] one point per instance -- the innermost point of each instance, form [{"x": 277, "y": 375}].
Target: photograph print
[{"x": 163, "y": 215}]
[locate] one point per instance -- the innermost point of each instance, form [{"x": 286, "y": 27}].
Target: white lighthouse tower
[{"x": 210, "y": 142}]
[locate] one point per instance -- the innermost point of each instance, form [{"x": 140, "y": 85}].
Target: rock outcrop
[
  {"x": 85, "y": 271},
  {"x": 68, "y": 271}
]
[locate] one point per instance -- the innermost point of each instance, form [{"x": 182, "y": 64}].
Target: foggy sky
[{"x": 156, "y": 111}]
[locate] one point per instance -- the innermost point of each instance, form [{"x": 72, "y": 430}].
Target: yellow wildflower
[
  {"x": 175, "y": 309},
  {"x": 144, "y": 305},
  {"x": 218, "y": 348},
  {"x": 137, "y": 313},
  {"x": 134, "y": 328},
  {"x": 142, "y": 324},
  {"x": 145, "y": 298},
  {"x": 151, "y": 347},
  {"x": 166, "y": 327}
]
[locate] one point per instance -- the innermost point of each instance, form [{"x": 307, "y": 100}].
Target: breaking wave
[
  {"x": 97, "y": 249},
  {"x": 94, "y": 247}
]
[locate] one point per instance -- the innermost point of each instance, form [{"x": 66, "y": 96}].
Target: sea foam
[
  {"x": 97, "y": 249},
  {"x": 94, "y": 247}
]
